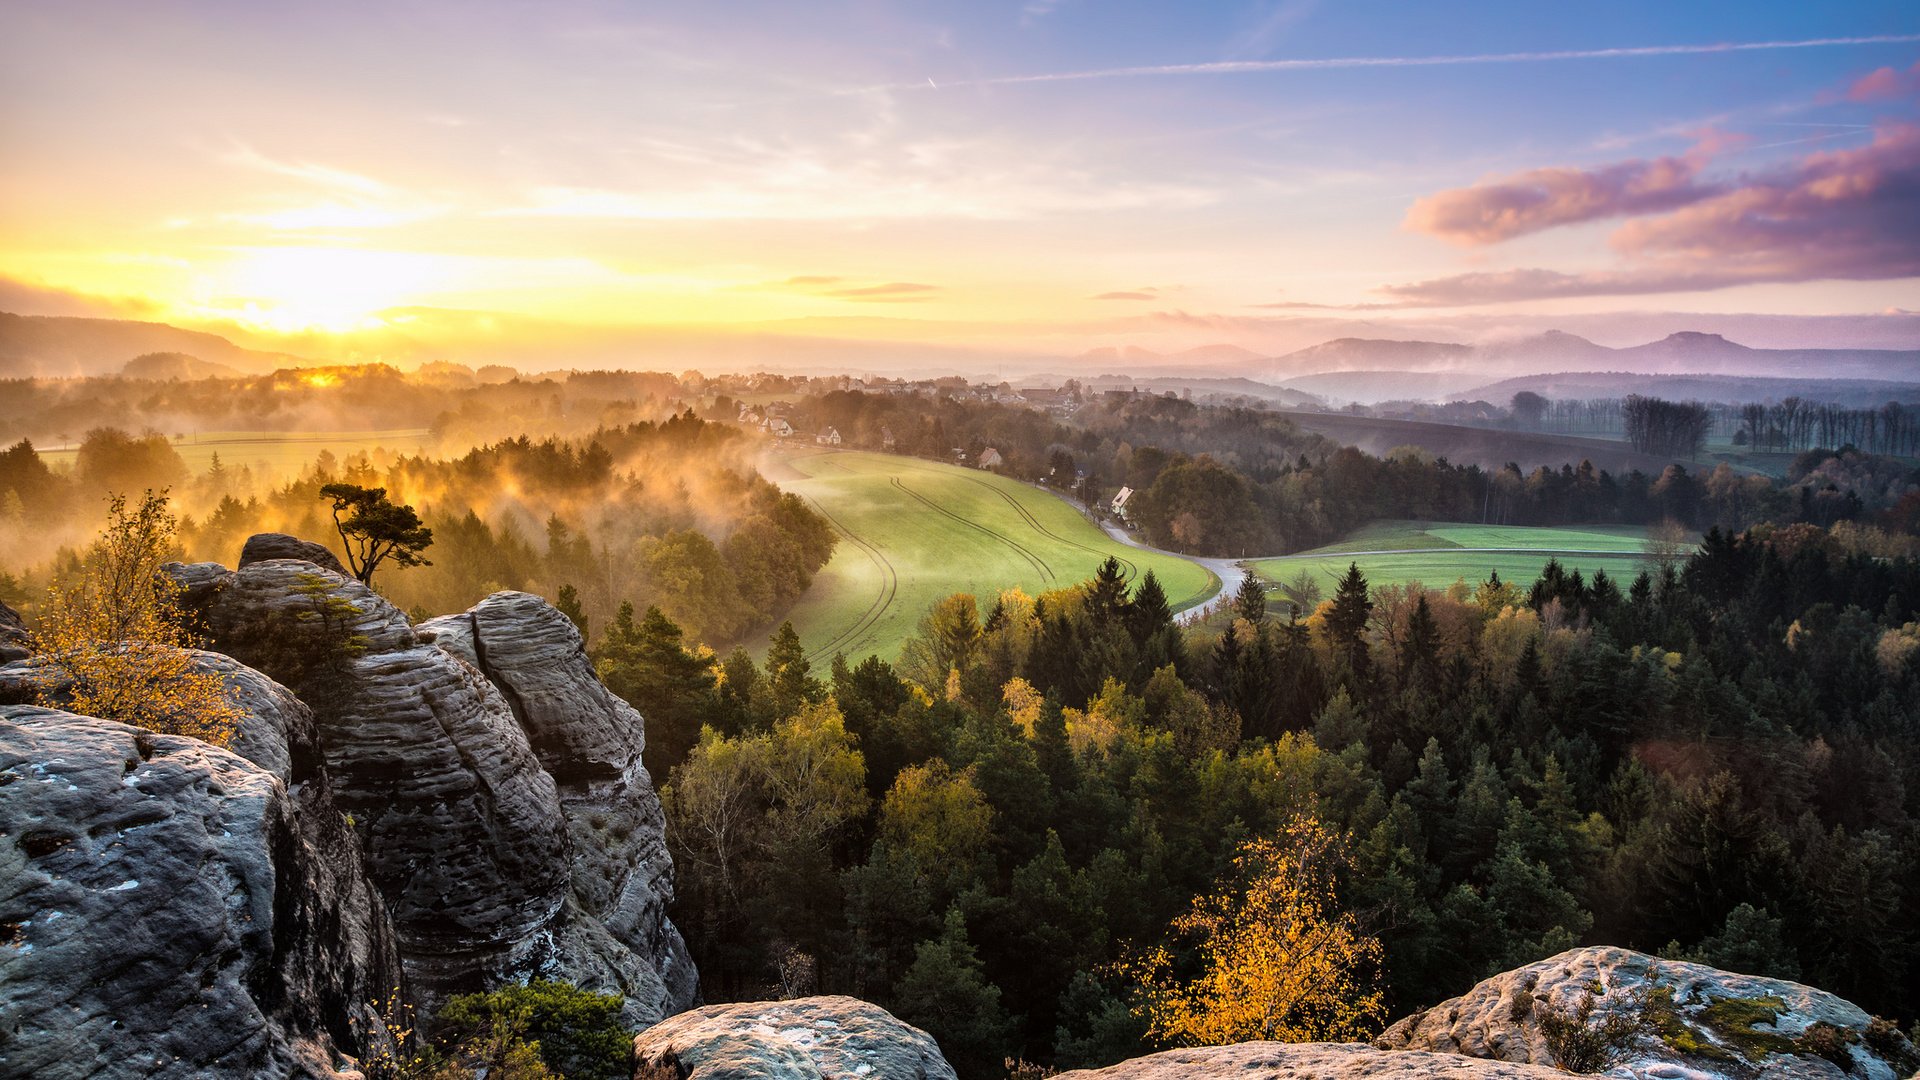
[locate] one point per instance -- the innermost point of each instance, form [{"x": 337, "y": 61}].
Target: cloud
[
  {"x": 1886, "y": 83},
  {"x": 1242, "y": 67},
  {"x": 1527, "y": 202},
  {"x": 1035, "y": 10},
  {"x": 1846, "y": 215},
  {"x": 1125, "y": 295},
  {"x": 888, "y": 291},
  {"x": 318, "y": 175},
  {"x": 811, "y": 279}
]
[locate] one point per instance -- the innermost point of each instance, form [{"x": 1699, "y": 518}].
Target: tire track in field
[
  {"x": 1133, "y": 570},
  {"x": 889, "y": 587},
  {"x": 1039, "y": 564},
  {"x": 1028, "y": 515}
]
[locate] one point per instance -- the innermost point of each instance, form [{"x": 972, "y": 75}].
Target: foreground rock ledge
[
  {"x": 1310, "y": 1061},
  {"x": 810, "y": 1038},
  {"x": 1712, "y": 1032}
]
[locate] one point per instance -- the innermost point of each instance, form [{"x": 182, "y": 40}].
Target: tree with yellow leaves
[
  {"x": 1276, "y": 958},
  {"x": 112, "y": 636}
]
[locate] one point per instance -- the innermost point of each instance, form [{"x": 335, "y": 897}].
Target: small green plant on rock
[{"x": 1579, "y": 1042}]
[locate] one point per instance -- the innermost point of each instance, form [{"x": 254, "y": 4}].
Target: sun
[{"x": 292, "y": 289}]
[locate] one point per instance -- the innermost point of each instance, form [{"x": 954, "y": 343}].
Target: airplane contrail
[{"x": 1238, "y": 67}]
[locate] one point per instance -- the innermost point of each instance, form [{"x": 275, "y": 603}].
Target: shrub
[
  {"x": 577, "y": 1032},
  {"x": 1581, "y": 1044}
]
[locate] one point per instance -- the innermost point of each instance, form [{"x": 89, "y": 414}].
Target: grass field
[
  {"x": 912, "y": 532},
  {"x": 1437, "y": 554},
  {"x": 279, "y": 451}
]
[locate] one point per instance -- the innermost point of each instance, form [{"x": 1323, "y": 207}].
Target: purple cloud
[
  {"x": 1527, "y": 202},
  {"x": 1849, "y": 215}
]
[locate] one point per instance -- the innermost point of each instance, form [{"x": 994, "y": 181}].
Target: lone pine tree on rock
[{"x": 375, "y": 529}]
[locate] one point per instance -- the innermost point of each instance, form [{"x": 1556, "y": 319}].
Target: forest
[
  {"x": 1222, "y": 480},
  {"x": 1716, "y": 760},
  {"x": 669, "y": 513}
]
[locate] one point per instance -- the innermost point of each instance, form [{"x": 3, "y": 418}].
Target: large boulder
[
  {"x": 14, "y": 642},
  {"x": 815, "y": 1038},
  {"x": 262, "y": 547},
  {"x": 172, "y": 909},
  {"x": 1668, "y": 1017},
  {"x": 590, "y": 742},
  {"x": 492, "y": 871},
  {"x": 1309, "y": 1061}
]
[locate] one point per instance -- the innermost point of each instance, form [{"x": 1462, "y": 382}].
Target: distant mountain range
[
  {"x": 56, "y": 346},
  {"x": 1347, "y": 369}
]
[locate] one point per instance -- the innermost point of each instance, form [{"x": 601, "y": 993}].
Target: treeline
[
  {"x": 1716, "y": 761},
  {"x": 1657, "y": 426},
  {"x": 460, "y": 407},
  {"x": 1236, "y": 481},
  {"x": 670, "y": 513}
]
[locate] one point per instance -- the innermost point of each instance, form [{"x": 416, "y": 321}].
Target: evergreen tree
[
  {"x": 1347, "y": 622},
  {"x": 946, "y": 992}
]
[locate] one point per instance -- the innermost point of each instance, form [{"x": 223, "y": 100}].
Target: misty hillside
[
  {"x": 1857, "y": 393},
  {"x": 56, "y": 346}
]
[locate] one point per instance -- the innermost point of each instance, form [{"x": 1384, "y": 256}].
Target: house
[
  {"x": 886, "y": 439},
  {"x": 829, "y": 437},
  {"x": 1120, "y": 501},
  {"x": 989, "y": 458},
  {"x": 779, "y": 428}
]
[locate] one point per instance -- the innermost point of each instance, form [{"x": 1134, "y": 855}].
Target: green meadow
[
  {"x": 1437, "y": 554},
  {"x": 912, "y": 532}
]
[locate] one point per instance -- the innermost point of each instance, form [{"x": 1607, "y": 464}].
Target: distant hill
[
  {"x": 48, "y": 345},
  {"x": 1856, "y": 393},
  {"x": 1487, "y": 447},
  {"x": 1372, "y": 386},
  {"x": 174, "y": 365}
]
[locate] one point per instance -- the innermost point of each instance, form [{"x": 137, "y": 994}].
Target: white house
[
  {"x": 989, "y": 458},
  {"x": 779, "y": 428},
  {"x": 829, "y": 437},
  {"x": 1120, "y": 501}
]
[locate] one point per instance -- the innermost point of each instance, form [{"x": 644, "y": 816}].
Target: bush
[
  {"x": 578, "y": 1032},
  {"x": 1579, "y": 1043}
]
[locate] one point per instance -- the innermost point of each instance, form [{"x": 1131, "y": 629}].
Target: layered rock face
[
  {"x": 492, "y": 871},
  {"x": 1680, "y": 1020},
  {"x": 262, "y": 547},
  {"x": 1310, "y": 1061},
  {"x": 13, "y": 636},
  {"x": 168, "y": 908},
  {"x": 813, "y": 1038},
  {"x": 590, "y": 742}
]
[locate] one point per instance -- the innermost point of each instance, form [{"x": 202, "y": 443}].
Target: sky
[{"x": 1047, "y": 174}]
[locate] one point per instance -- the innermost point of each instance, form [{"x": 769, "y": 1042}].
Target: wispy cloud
[
  {"x": 891, "y": 290},
  {"x": 1244, "y": 67},
  {"x": 1125, "y": 294},
  {"x": 319, "y": 175}
]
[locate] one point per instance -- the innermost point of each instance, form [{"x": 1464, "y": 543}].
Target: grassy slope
[
  {"x": 1432, "y": 554},
  {"x": 915, "y": 531}
]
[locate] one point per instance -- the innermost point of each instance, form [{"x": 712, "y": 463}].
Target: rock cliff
[
  {"x": 1670, "y": 1019},
  {"x": 13, "y": 636},
  {"x": 813, "y": 1038},
  {"x": 261, "y": 547},
  {"x": 173, "y": 909},
  {"x": 496, "y": 785}
]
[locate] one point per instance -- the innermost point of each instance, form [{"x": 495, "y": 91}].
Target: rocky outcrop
[
  {"x": 14, "y": 643},
  {"x": 590, "y": 742},
  {"x": 805, "y": 1039},
  {"x": 1310, "y": 1061},
  {"x": 263, "y": 547},
  {"x": 169, "y": 908},
  {"x": 1669, "y": 1018},
  {"x": 446, "y": 758}
]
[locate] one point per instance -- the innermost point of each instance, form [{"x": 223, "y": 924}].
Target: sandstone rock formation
[
  {"x": 13, "y": 636},
  {"x": 1310, "y": 1061},
  {"x": 491, "y": 869},
  {"x": 805, "y": 1039},
  {"x": 1678, "y": 1019},
  {"x": 262, "y": 547},
  {"x": 168, "y": 908},
  {"x": 590, "y": 742}
]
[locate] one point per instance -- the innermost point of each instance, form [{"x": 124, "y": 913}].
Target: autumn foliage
[
  {"x": 111, "y": 631},
  {"x": 1276, "y": 957}
]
